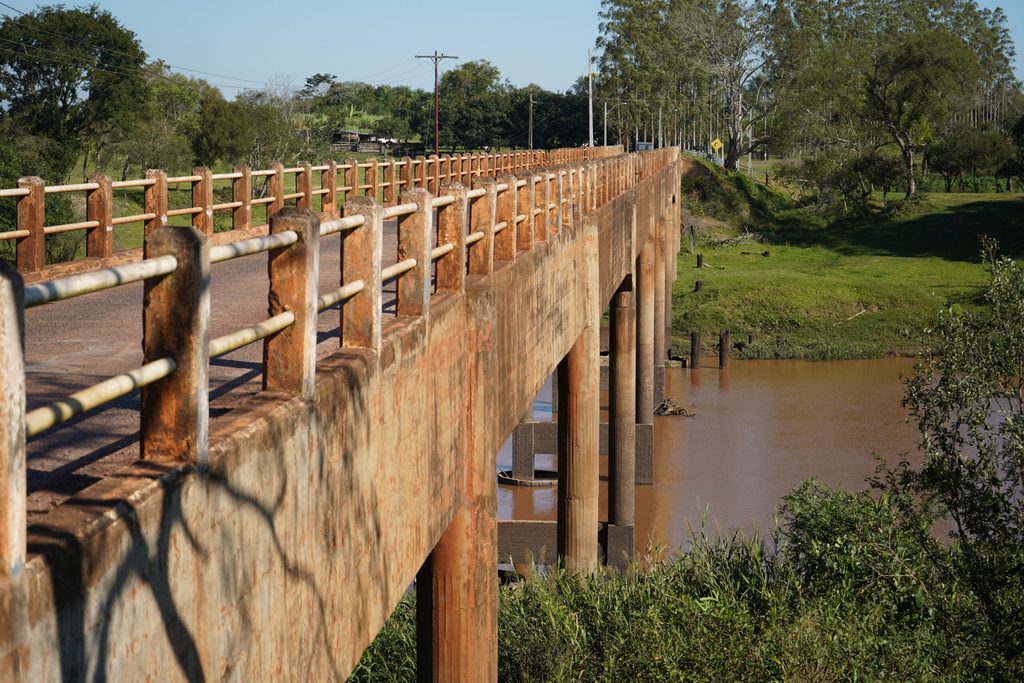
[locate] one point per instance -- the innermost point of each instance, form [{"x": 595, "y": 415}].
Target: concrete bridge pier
[
  {"x": 645, "y": 359},
  {"x": 619, "y": 532},
  {"x": 661, "y": 316},
  {"x": 579, "y": 422}
]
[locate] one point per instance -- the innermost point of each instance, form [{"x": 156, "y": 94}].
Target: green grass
[{"x": 847, "y": 290}]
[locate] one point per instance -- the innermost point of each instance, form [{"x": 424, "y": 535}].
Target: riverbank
[{"x": 855, "y": 289}]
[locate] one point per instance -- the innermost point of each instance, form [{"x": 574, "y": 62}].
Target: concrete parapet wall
[{"x": 284, "y": 559}]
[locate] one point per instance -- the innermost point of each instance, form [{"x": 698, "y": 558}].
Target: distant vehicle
[{"x": 644, "y": 146}]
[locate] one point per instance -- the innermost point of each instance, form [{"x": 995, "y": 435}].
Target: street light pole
[
  {"x": 590, "y": 90},
  {"x": 436, "y": 58}
]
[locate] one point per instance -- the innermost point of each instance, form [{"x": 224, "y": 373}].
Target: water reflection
[{"x": 761, "y": 427}]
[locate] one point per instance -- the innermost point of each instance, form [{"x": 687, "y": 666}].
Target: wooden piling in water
[
  {"x": 695, "y": 349},
  {"x": 724, "y": 344}
]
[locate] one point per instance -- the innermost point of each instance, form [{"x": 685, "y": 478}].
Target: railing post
[
  {"x": 13, "y": 482},
  {"x": 289, "y": 356},
  {"x": 241, "y": 191},
  {"x": 579, "y": 420},
  {"x": 481, "y": 254},
  {"x": 415, "y": 235},
  {"x": 32, "y": 217},
  {"x": 371, "y": 180},
  {"x": 505, "y": 211},
  {"x": 304, "y": 184},
  {"x": 435, "y": 177},
  {"x": 276, "y": 190},
  {"x": 451, "y": 229},
  {"x": 406, "y": 174},
  {"x": 329, "y": 182},
  {"x": 389, "y": 182},
  {"x": 351, "y": 180},
  {"x": 540, "y": 198},
  {"x": 524, "y": 205},
  {"x": 175, "y": 319},
  {"x": 421, "y": 172},
  {"x": 99, "y": 207},
  {"x": 361, "y": 251},
  {"x": 202, "y": 198}
]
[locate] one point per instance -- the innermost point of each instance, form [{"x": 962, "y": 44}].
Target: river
[{"x": 760, "y": 428}]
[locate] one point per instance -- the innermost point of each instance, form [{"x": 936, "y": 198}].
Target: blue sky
[{"x": 250, "y": 43}]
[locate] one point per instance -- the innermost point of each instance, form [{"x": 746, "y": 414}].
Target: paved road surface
[{"x": 70, "y": 345}]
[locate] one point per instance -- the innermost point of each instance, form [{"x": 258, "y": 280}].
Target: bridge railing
[
  {"x": 443, "y": 238},
  {"x": 324, "y": 187}
]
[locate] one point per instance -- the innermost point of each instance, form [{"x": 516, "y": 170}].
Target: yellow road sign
[{"x": 716, "y": 144}]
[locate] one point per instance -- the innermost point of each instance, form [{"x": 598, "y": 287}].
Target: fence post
[
  {"x": 415, "y": 234},
  {"x": 289, "y": 356},
  {"x": 32, "y": 217},
  {"x": 99, "y": 207},
  {"x": 351, "y": 180},
  {"x": 275, "y": 190},
  {"x": 13, "y": 483},
  {"x": 175, "y": 319},
  {"x": 241, "y": 191},
  {"x": 361, "y": 251},
  {"x": 451, "y": 229},
  {"x": 435, "y": 179},
  {"x": 371, "y": 180},
  {"x": 421, "y": 172},
  {"x": 481, "y": 254},
  {"x": 406, "y": 177},
  {"x": 202, "y": 198},
  {"x": 540, "y": 208},
  {"x": 155, "y": 200},
  {"x": 524, "y": 205},
  {"x": 389, "y": 182},
  {"x": 329, "y": 182},
  {"x": 304, "y": 184},
  {"x": 505, "y": 212}
]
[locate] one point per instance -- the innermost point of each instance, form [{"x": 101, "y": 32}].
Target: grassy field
[{"x": 846, "y": 290}]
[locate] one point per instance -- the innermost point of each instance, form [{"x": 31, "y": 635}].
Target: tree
[
  {"x": 913, "y": 85},
  {"x": 66, "y": 74},
  {"x": 225, "y": 130},
  {"x": 473, "y": 106}
]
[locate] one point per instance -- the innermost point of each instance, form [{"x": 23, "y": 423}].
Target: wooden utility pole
[{"x": 436, "y": 58}]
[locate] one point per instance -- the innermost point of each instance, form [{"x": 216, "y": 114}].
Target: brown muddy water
[{"x": 760, "y": 428}]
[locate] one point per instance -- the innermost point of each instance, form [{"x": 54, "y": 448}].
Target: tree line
[
  {"x": 873, "y": 91},
  {"x": 78, "y": 93}
]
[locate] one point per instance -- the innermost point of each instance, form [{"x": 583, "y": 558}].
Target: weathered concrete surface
[{"x": 283, "y": 560}]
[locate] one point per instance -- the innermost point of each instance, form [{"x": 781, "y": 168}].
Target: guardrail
[
  {"x": 443, "y": 239},
  {"x": 324, "y": 187}
]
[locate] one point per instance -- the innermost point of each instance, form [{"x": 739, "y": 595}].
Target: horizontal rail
[
  {"x": 226, "y": 176},
  {"x": 501, "y": 187},
  {"x": 478, "y": 192},
  {"x": 474, "y": 237},
  {"x": 142, "y": 182},
  {"x": 323, "y": 190},
  {"x": 75, "y": 187},
  {"x": 190, "y": 211},
  {"x": 260, "y": 174},
  {"x": 322, "y": 167},
  {"x": 14, "y": 234},
  {"x": 67, "y": 227},
  {"x": 247, "y": 335},
  {"x": 263, "y": 200},
  {"x": 341, "y": 224},
  {"x": 97, "y": 280},
  {"x": 498, "y": 227},
  {"x": 397, "y": 269},
  {"x": 400, "y": 210},
  {"x": 15, "y": 192},
  {"x": 253, "y": 245},
  {"x": 438, "y": 252},
  {"x": 293, "y": 195},
  {"x": 52, "y": 414},
  {"x": 121, "y": 220},
  {"x": 185, "y": 179},
  {"x": 443, "y": 200},
  {"x": 346, "y": 291},
  {"x": 226, "y": 205},
  {"x": 520, "y": 218},
  {"x": 520, "y": 183}
]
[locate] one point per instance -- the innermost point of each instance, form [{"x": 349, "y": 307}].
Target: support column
[
  {"x": 579, "y": 424},
  {"x": 644, "y": 302},
  {"x": 621, "y": 428},
  {"x": 659, "y": 307},
  {"x": 457, "y": 600}
]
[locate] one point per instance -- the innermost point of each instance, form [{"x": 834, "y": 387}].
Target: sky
[{"x": 250, "y": 43}]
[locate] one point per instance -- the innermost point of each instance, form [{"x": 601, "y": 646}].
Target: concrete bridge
[{"x": 273, "y": 540}]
